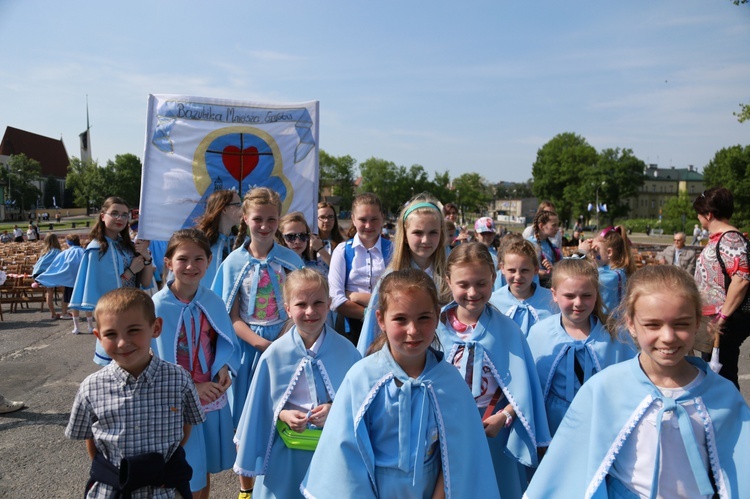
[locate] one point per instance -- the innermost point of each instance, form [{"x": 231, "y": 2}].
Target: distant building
[
  {"x": 513, "y": 211},
  {"x": 662, "y": 184},
  {"x": 49, "y": 152}
]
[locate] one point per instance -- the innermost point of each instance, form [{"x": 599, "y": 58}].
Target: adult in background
[
  {"x": 696, "y": 235},
  {"x": 678, "y": 254},
  {"x": 721, "y": 302},
  {"x": 17, "y": 234}
]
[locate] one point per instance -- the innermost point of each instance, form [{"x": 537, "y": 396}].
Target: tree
[
  {"x": 744, "y": 113},
  {"x": 730, "y": 167},
  {"x": 52, "y": 192},
  {"x": 473, "y": 192},
  {"x": 380, "y": 177},
  {"x": 441, "y": 187},
  {"x": 618, "y": 175},
  {"x": 558, "y": 168},
  {"x": 21, "y": 175},
  {"x": 679, "y": 209},
  {"x": 339, "y": 171},
  {"x": 125, "y": 174},
  {"x": 88, "y": 182}
]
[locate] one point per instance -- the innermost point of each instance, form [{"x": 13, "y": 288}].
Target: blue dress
[
  {"x": 564, "y": 364},
  {"x": 499, "y": 345},
  {"x": 528, "y": 312},
  {"x": 430, "y": 424},
  {"x": 612, "y": 285},
  {"x": 210, "y": 447},
  {"x": 261, "y": 453},
  {"x": 233, "y": 271},
  {"x": 45, "y": 261},
  {"x": 609, "y": 407}
]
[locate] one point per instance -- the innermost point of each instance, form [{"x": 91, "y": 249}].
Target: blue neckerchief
[{"x": 191, "y": 321}]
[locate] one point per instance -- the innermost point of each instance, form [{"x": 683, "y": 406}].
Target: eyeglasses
[
  {"x": 323, "y": 218},
  {"x": 291, "y": 237},
  {"x": 238, "y": 203},
  {"x": 118, "y": 216}
]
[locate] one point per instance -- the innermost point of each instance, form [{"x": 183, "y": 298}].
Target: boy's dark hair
[{"x": 121, "y": 300}]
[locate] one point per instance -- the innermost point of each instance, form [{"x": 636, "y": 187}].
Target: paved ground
[{"x": 42, "y": 364}]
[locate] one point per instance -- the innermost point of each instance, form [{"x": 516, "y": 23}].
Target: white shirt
[
  {"x": 634, "y": 464},
  {"x": 300, "y": 399},
  {"x": 367, "y": 267}
]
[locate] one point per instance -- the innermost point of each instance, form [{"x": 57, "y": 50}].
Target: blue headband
[{"x": 423, "y": 204}]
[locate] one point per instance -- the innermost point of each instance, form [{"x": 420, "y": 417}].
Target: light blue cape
[
  {"x": 525, "y": 313},
  {"x": 96, "y": 276},
  {"x": 63, "y": 269},
  {"x": 45, "y": 261},
  {"x": 608, "y": 408}
]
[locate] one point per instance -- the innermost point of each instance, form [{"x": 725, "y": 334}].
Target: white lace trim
[
  {"x": 445, "y": 464},
  {"x": 614, "y": 449},
  {"x": 370, "y": 396},
  {"x": 326, "y": 379},
  {"x": 519, "y": 414},
  {"x": 305, "y": 493},
  {"x": 548, "y": 383},
  {"x": 244, "y": 472},
  {"x": 713, "y": 453}
]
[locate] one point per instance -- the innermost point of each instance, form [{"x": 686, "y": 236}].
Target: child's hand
[
  {"x": 297, "y": 420},
  {"x": 209, "y": 391},
  {"x": 141, "y": 246},
  {"x": 585, "y": 246},
  {"x": 136, "y": 264},
  {"x": 223, "y": 379},
  {"x": 493, "y": 424},
  {"x": 319, "y": 415}
]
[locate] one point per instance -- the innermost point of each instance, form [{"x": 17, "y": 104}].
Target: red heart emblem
[{"x": 238, "y": 163}]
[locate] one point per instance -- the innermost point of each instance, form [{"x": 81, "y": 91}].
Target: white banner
[{"x": 196, "y": 145}]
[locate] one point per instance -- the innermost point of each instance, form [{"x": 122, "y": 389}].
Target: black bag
[{"x": 743, "y": 311}]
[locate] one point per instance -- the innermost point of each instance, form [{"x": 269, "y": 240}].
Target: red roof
[{"x": 50, "y": 153}]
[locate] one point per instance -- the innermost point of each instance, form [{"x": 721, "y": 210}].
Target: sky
[{"x": 475, "y": 86}]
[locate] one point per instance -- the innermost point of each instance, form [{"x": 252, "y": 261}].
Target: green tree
[
  {"x": 340, "y": 173},
  {"x": 441, "y": 187},
  {"x": 558, "y": 168},
  {"x": 123, "y": 175},
  {"x": 22, "y": 175},
  {"x": 619, "y": 175},
  {"x": 744, "y": 113},
  {"x": 730, "y": 167},
  {"x": 678, "y": 210},
  {"x": 473, "y": 192},
  {"x": 52, "y": 192},
  {"x": 88, "y": 182},
  {"x": 380, "y": 177}
]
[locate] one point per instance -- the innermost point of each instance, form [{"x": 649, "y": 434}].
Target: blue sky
[{"x": 459, "y": 86}]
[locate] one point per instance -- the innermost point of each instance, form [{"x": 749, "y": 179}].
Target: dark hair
[
  {"x": 99, "y": 230},
  {"x": 73, "y": 240},
  {"x": 449, "y": 206},
  {"x": 298, "y": 217},
  {"x": 121, "y": 300},
  {"x": 541, "y": 218},
  {"x": 336, "y": 236},
  {"x": 717, "y": 201},
  {"x": 210, "y": 221},
  {"x": 194, "y": 236}
]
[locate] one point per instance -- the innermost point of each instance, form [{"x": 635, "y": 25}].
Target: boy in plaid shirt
[{"x": 135, "y": 413}]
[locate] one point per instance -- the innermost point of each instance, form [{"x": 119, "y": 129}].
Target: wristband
[
  {"x": 723, "y": 316},
  {"x": 147, "y": 262},
  {"x": 508, "y": 418}
]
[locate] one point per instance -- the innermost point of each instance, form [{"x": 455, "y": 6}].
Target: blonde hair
[
  {"x": 302, "y": 277},
  {"x": 122, "y": 300},
  {"x": 658, "y": 279},
  {"x": 573, "y": 268},
  {"x": 260, "y": 196},
  {"x": 622, "y": 257},
  {"x": 520, "y": 248},
  {"x": 402, "y": 259},
  {"x": 470, "y": 253},
  {"x": 403, "y": 281}
]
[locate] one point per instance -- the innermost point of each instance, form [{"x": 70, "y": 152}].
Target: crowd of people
[{"x": 430, "y": 361}]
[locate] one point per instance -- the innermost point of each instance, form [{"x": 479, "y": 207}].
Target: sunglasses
[{"x": 293, "y": 236}]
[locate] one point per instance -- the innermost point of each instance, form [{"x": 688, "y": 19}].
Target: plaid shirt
[{"x": 128, "y": 416}]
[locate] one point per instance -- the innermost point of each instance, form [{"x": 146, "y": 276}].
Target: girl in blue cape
[
  {"x": 403, "y": 423},
  {"x": 572, "y": 346},
  {"x": 50, "y": 249},
  {"x": 294, "y": 384},
  {"x": 62, "y": 272},
  {"x": 295, "y": 235},
  {"x": 419, "y": 244},
  {"x": 546, "y": 225},
  {"x": 521, "y": 299},
  {"x": 250, "y": 282},
  {"x": 659, "y": 425},
  {"x": 110, "y": 261},
  {"x": 492, "y": 355},
  {"x": 198, "y": 335},
  {"x": 223, "y": 213},
  {"x": 612, "y": 254}
]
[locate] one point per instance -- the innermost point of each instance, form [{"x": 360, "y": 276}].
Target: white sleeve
[{"x": 337, "y": 277}]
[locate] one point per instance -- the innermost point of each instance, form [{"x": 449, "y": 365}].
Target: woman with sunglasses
[
  {"x": 294, "y": 233},
  {"x": 111, "y": 260},
  {"x": 223, "y": 213},
  {"x": 329, "y": 235}
]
